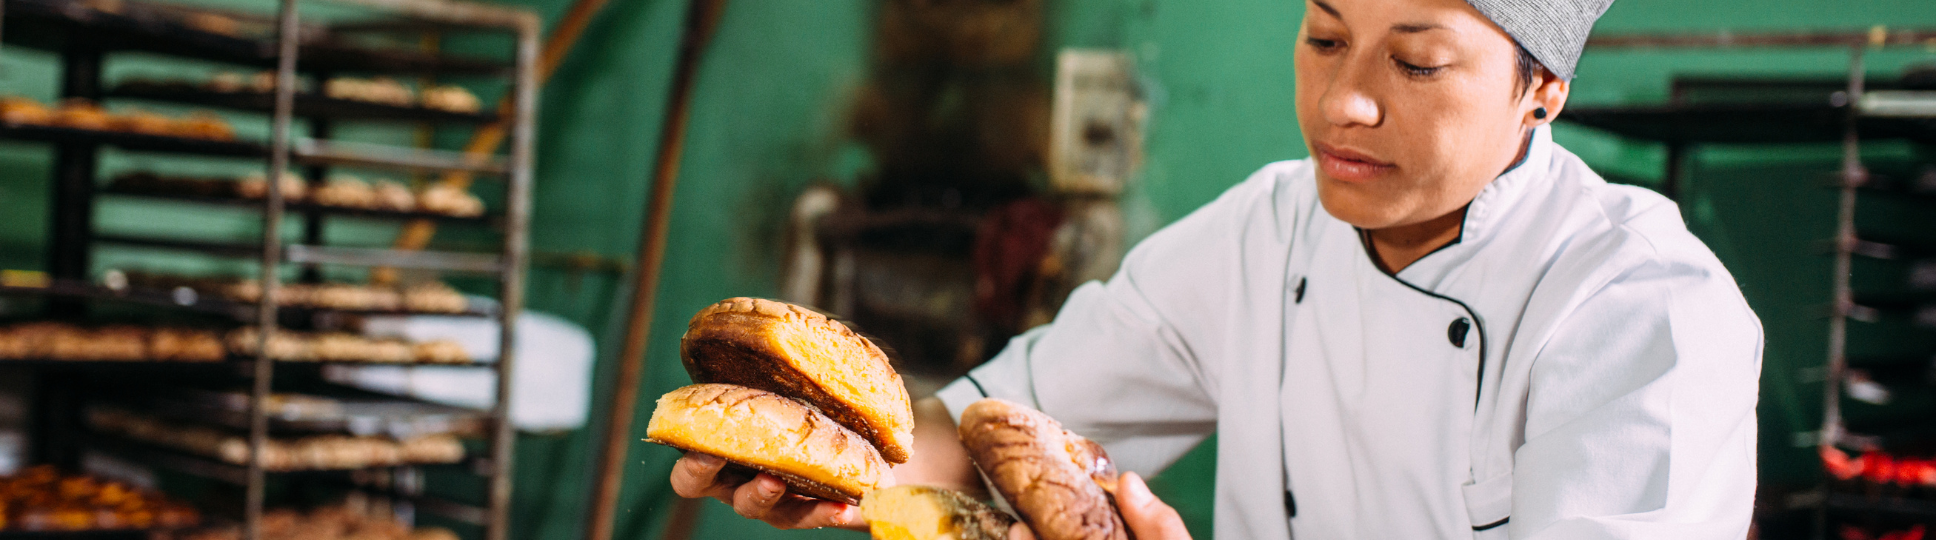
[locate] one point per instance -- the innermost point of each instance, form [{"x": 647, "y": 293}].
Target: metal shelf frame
[
  {"x": 83, "y": 39},
  {"x": 1849, "y": 117}
]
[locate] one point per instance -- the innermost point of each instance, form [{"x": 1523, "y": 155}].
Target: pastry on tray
[
  {"x": 256, "y": 186},
  {"x": 449, "y": 200},
  {"x": 345, "y": 191},
  {"x": 204, "y": 125},
  {"x": 394, "y": 197},
  {"x": 143, "y": 122},
  {"x": 77, "y": 113},
  {"x": 450, "y": 98},
  {"x": 16, "y": 110}
]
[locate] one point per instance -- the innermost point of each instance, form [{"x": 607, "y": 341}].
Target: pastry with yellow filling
[
  {"x": 772, "y": 434},
  {"x": 930, "y": 513},
  {"x": 798, "y": 353}
]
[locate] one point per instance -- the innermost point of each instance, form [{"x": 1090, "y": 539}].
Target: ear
[{"x": 1549, "y": 91}]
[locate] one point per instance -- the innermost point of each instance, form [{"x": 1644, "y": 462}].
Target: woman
[{"x": 1441, "y": 325}]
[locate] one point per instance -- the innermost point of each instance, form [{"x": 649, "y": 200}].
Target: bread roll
[
  {"x": 1054, "y": 478},
  {"x": 795, "y": 352},
  {"x": 928, "y": 513},
  {"x": 773, "y": 434}
]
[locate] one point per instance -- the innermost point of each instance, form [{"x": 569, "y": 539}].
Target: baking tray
[
  {"x": 308, "y": 105},
  {"x": 302, "y": 207}
]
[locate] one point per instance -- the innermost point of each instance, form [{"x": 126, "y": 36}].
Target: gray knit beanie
[{"x": 1553, "y": 30}]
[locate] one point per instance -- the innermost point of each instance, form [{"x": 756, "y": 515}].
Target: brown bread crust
[
  {"x": 1035, "y": 464},
  {"x": 798, "y": 353},
  {"x": 770, "y": 433}
]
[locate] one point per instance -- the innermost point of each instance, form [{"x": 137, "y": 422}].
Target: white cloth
[
  {"x": 550, "y": 384},
  {"x": 1612, "y": 359}
]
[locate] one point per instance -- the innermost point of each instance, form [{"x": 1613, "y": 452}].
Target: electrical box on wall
[{"x": 1096, "y": 131}]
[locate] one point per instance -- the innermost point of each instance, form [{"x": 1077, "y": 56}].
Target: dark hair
[{"x": 1526, "y": 66}]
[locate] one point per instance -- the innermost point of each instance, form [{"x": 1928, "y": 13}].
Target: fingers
[
  {"x": 766, "y": 499},
  {"x": 755, "y": 499},
  {"x": 763, "y": 498},
  {"x": 1146, "y": 516},
  {"x": 697, "y": 475},
  {"x": 794, "y": 512},
  {"x": 1020, "y": 532}
]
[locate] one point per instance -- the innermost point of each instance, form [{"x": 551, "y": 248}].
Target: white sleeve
[
  {"x": 1133, "y": 363},
  {"x": 1641, "y": 418}
]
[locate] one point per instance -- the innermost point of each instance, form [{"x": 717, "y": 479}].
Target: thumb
[{"x": 1146, "y": 516}]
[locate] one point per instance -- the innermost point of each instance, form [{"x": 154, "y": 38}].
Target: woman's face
[{"x": 1409, "y": 107}]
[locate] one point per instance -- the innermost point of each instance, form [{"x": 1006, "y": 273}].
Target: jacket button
[{"x": 1458, "y": 331}]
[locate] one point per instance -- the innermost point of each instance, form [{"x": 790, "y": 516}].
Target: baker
[{"x": 1440, "y": 325}]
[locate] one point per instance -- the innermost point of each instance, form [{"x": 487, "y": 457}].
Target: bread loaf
[
  {"x": 928, "y": 513},
  {"x": 1054, "y": 478},
  {"x": 795, "y": 352},
  {"x": 773, "y": 434}
]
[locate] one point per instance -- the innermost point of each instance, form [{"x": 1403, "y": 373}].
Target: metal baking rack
[
  {"x": 83, "y": 34},
  {"x": 1850, "y": 111}
]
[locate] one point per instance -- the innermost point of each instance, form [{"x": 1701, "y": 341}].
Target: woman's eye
[
  {"x": 1416, "y": 70},
  {"x": 1324, "y": 45}
]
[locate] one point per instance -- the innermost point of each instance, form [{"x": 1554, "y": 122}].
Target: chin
[{"x": 1352, "y": 203}]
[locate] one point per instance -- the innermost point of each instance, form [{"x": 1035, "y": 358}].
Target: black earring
[{"x": 1539, "y": 113}]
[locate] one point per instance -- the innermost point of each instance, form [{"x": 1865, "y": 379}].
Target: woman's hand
[
  {"x": 1146, "y": 516},
  {"x": 763, "y": 498},
  {"x": 939, "y": 461}
]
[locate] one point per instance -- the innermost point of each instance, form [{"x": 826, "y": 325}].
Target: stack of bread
[
  {"x": 118, "y": 343},
  {"x": 76, "y": 113},
  {"x": 787, "y": 391},
  {"x": 314, "y": 452},
  {"x": 42, "y": 499},
  {"x": 336, "y": 522},
  {"x": 421, "y": 297},
  {"x": 346, "y": 347},
  {"x": 340, "y": 191}
]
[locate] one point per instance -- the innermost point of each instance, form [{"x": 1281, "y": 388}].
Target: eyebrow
[
  {"x": 1327, "y": 8},
  {"x": 1402, "y": 28},
  {"x": 1413, "y": 28}
]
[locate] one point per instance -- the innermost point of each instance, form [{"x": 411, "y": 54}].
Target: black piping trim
[
  {"x": 978, "y": 388},
  {"x": 1478, "y": 390},
  {"x": 1480, "y": 386},
  {"x": 1493, "y": 525}
]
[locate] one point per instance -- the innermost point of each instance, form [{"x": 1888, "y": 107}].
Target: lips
[{"x": 1349, "y": 165}]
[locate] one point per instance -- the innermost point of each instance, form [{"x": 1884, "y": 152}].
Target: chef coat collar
[{"x": 1486, "y": 214}]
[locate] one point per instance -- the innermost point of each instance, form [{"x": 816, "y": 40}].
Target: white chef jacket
[{"x": 1575, "y": 366}]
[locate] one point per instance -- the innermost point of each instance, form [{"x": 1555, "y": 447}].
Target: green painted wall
[{"x": 768, "y": 119}]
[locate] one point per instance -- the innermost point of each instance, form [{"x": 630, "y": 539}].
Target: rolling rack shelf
[
  {"x": 304, "y": 207},
  {"x": 1849, "y": 111},
  {"x": 188, "y": 298},
  {"x": 308, "y": 105},
  {"x": 83, "y": 34}
]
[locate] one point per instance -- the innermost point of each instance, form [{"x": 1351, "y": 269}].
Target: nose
[{"x": 1348, "y": 101}]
